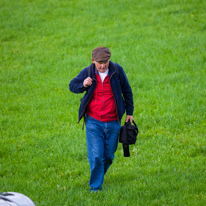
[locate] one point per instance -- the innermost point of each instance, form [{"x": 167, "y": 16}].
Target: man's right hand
[{"x": 87, "y": 82}]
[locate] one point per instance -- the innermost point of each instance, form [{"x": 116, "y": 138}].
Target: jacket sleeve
[
  {"x": 127, "y": 92},
  {"x": 76, "y": 84}
]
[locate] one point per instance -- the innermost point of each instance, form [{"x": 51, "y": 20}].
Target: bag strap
[
  {"x": 115, "y": 67},
  {"x": 134, "y": 123},
  {"x": 89, "y": 71},
  {"x": 136, "y": 127}
]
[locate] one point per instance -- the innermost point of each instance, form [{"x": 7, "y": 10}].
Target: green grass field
[{"x": 160, "y": 44}]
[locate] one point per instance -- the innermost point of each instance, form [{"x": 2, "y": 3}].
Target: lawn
[{"x": 162, "y": 47}]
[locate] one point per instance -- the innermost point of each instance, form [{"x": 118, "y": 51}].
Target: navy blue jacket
[{"x": 119, "y": 86}]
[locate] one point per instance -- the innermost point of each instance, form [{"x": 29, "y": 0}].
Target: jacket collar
[{"x": 111, "y": 70}]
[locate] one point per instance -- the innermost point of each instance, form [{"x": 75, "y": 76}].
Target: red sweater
[{"x": 102, "y": 105}]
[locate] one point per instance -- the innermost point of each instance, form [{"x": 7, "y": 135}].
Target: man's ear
[{"x": 92, "y": 60}]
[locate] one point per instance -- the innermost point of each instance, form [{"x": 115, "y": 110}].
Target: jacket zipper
[{"x": 102, "y": 100}]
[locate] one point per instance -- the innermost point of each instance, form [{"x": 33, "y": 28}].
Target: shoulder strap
[
  {"x": 115, "y": 67},
  {"x": 89, "y": 70}
]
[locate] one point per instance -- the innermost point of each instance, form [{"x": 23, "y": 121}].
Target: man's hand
[
  {"x": 87, "y": 82},
  {"x": 129, "y": 118}
]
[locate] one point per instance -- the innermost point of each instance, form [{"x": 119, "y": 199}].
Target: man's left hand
[{"x": 129, "y": 118}]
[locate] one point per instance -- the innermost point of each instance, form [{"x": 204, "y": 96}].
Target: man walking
[{"x": 103, "y": 106}]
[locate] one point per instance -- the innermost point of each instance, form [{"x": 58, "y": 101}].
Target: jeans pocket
[{"x": 89, "y": 117}]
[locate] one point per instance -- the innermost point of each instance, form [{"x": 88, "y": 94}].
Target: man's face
[{"x": 101, "y": 66}]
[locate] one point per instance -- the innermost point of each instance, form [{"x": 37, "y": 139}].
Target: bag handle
[
  {"x": 134, "y": 123},
  {"x": 129, "y": 123}
]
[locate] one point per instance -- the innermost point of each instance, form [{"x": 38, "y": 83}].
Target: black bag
[{"x": 128, "y": 135}]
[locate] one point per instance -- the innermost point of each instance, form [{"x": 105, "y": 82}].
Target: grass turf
[{"x": 160, "y": 44}]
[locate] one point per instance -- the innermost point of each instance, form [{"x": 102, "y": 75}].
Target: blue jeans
[{"x": 102, "y": 141}]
